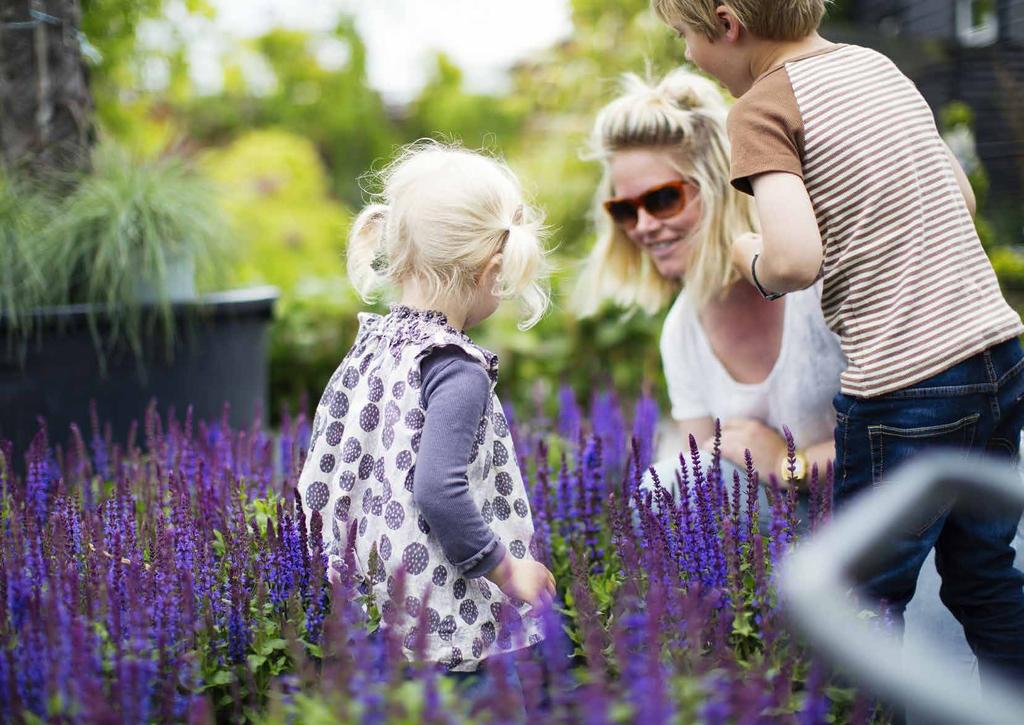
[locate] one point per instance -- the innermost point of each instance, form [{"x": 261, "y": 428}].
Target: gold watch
[{"x": 799, "y": 468}]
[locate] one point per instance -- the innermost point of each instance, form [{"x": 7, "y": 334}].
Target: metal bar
[{"x": 816, "y": 580}]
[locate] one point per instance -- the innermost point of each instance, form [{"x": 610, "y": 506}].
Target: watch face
[{"x": 800, "y": 469}]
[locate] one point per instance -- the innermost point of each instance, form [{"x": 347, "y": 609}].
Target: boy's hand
[
  {"x": 524, "y": 579},
  {"x": 743, "y": 250}
]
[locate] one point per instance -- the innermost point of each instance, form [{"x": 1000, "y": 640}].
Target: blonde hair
[
  {"x": 684, "y": 115},
  {"x": 767, "y": 19},
  {"x": 443, "y": 214}
]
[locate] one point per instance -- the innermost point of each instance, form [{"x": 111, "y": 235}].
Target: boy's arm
[
  {"x": 962, "y": 181},
  {"x": 789, "y": 246}
]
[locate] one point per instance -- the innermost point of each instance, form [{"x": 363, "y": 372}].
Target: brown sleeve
[{"x": 765, "y": 131}]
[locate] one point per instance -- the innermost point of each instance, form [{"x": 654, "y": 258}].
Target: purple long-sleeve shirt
[{"x": 455, "y": 393}]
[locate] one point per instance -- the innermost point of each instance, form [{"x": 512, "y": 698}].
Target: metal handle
[{"x": 815, "y": 582}]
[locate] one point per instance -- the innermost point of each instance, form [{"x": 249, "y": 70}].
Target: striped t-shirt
[{"x": 907, "y": 286}]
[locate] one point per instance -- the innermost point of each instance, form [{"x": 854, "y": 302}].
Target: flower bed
[{"x": 173, "y": 577}]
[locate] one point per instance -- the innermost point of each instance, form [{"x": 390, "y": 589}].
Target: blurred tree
[
  {"x": 318, "y": 89},
  {"x": 116, "y": 60},
  {"x": 46, "y": 108},
  {"x": 275, "y": 189},
  {"x": 445, "y": 109}
]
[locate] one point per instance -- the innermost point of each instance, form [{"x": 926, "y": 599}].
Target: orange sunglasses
[{"x": 661, "y": 202}]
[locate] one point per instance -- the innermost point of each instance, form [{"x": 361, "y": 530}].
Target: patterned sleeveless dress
[{"x": 360, "y": 468}]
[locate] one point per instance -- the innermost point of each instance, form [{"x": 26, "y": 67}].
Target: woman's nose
[{"x": 646, "y": 223}]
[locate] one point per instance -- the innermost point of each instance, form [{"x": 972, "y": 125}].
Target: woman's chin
[{"x": 670, "y": 269}]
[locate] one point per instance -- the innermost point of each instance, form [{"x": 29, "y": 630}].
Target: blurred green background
[{"x": 287, "y": 157}]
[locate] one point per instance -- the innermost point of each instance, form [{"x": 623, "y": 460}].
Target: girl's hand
[
  {"x": 524, "y": 579},
  {"x": 767, "y": 447}
]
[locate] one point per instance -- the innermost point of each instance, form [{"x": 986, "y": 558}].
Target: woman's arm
[{"x": 702, "y": 429}]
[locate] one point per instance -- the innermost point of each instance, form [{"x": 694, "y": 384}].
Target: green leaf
[{"x": 272, "y": 645}]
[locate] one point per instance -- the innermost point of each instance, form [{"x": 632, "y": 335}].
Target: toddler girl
[{"x": 409, "y": 440}]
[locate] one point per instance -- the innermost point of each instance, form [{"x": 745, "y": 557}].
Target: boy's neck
[{"x": 772, "y": 54}]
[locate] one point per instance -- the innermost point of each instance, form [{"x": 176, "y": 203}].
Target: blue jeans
[{"x": 975, "y": 406}]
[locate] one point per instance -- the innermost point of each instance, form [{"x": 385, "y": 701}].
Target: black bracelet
[{"x": 764, "y": 293}]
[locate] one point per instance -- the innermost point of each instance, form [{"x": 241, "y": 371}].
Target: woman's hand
[
  {"x": 524, "y": 579},
  {"x": 767, "y": 447}
]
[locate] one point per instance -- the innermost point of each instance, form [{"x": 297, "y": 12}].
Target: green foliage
[
  {"x": 115, "y": 239},
  {"x": 334, "y": 108},
  {"x": 274, "y": 189},
  {"x": 445, "y": 110},
  {"x": 109, "y": 28},
  {"x": 22, "y": 280}
]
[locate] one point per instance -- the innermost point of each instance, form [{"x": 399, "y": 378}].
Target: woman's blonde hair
[
  {"x": 442, "y": 215},
  {"x": 684, "y": 115}
]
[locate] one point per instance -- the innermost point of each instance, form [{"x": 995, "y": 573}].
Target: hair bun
[{"x": 688, "y": 91}]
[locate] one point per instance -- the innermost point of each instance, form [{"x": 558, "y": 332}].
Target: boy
[{"x": 853, "y": 183}]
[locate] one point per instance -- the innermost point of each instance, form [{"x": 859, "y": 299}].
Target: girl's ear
[{"x": 489, "y": 276}]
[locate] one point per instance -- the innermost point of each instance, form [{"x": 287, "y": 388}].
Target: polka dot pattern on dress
[
  {"x": 365, "y": 466},
  {"x": 394, "y": 516},
  {"x": 503, "y": 482},
  {"x": 500, "y": 454},
  {"x": 339, "y": 406},
  {"x": 376, "y": 391},
  {"x": 351, "y": 450},
  {"x": 447, "y": 628},
  {"x": 415, "y": 418},
  {"x": 500, "y": 424},
  {"x": 415, "y": 558},
  {"x": 468, "y": 611},
  {"x": 440, "y": 576},
  {"x": 316, "y": 496},
  {"x": 517, "y": 548},
  {"x": 369, "y": 417},
  {"x": 327, "y": 462},
  {"x": 346, "y": 480},
  {"x": 335, "y": 432}
]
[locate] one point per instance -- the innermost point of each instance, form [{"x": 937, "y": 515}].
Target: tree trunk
[{"x": 46, "y": 108}]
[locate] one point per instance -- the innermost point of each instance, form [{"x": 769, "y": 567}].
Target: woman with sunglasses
[{"x": 667, "y": 219}]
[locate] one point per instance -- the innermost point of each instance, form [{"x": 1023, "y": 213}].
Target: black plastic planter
[{"x": 221, "y": 356}]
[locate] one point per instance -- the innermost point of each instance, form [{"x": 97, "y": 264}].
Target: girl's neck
[{"x": 413, "y": 296}]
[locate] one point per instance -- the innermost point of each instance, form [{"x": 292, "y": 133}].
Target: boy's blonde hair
[
  {"x": 443, "y": 214},
  {"x": 683, "y": 114},
  {"x": 768, "y": 19}
]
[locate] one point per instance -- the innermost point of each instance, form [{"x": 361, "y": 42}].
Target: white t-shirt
[{"x": 798, "y": 391}]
